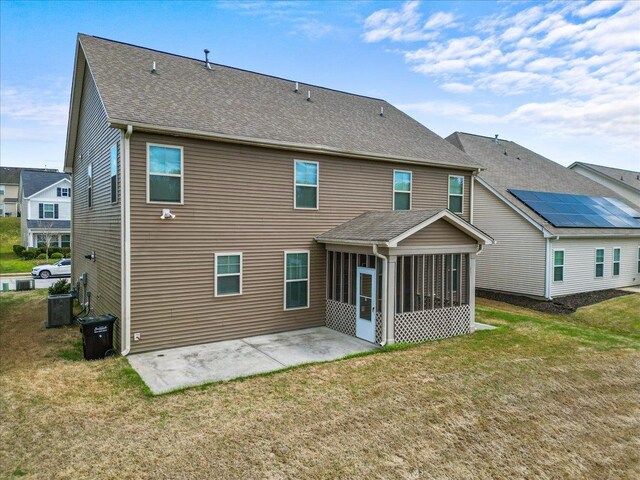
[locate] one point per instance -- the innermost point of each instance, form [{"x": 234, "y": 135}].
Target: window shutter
[
  {"x": 40, "y": 211},
  {"x": 59, "y": 190},
  {"x": 55, "y": 211}
]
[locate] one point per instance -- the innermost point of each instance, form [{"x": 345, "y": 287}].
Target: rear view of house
[
  {"x": 626, "y": 183},
  {"x": 213, "y": 203},
  {"x": 557, "y": 232},
  {"x": 45, "y": 206}
]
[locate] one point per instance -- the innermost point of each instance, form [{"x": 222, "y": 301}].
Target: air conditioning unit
[{"x": 60, "y": 310}]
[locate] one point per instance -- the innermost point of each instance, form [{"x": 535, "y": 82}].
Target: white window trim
[
  {"x": 449, "y": 194},
  {"x": 53, "y": 211},
  {"x": 181, "y": 202},
  {"x": 284, "y": 295},
  {"x": 553, "y": 272},
  {"x": 638, "y": 260},
  {"x": 216, "y": 275},
  {"x": 90, "y": 185},
  {"x": 596, "y": 263},
  {"x": 296, "y": 185},
  {"x": 613, "y": 261},
  {"x": 116, "y": 175},
  {"x": 410, "y": 192},
  {"x": 63, "y": 190}
]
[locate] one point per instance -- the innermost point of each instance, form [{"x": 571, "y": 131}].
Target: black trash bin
[{"x": 97, "y": 336}]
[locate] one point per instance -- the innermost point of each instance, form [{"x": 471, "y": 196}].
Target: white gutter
[
  {"x": 547, "y": 269},
  {"x": 125, "y": 321},
  {"x": 385, "y": 296}
]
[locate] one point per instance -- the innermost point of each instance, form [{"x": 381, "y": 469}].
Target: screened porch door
[{"x": 366, "y": 304}]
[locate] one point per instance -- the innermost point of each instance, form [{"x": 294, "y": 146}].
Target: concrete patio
[{"x": 175, "y": 368}]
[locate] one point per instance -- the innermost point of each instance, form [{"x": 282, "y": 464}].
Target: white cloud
[
  {"x": 579, "y": 61},
  {"x": 404, "y": 25},
  {"x": 45, "y": 107}
]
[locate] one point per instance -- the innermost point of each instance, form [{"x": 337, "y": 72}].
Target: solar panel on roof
[{"x": 570, "y": 210}]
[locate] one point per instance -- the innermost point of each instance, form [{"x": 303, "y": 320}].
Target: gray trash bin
[{"x": 60, "y": 310}]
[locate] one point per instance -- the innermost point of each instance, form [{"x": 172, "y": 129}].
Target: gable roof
[
  {"x": 33, "y": 181},
  {"x": 522, "y": 169},
  {"x": 231, "y": 104},
  {"x": 390, "y": 227},
  {"x": 11, "y": 175},
  {"x": 629, "y": 178}
]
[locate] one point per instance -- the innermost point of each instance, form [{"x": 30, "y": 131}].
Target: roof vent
[
  {"x": 296, "y": 90},
  {"x": 505, "y": 151},
  {"x": 382, "y": 111},
  {"x": 207, "y": 65},
  {"x": 308, "y": 95},
  {"x": 621, "y": 178},
  {"x": 495, "y": 140},
  {"x": 154, "y": 71}
]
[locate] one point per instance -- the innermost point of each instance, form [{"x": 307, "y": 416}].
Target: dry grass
[{"x": 541, "y": 397}]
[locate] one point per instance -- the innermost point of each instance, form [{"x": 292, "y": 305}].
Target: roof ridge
[
  {"x": 484, "y": 136},
  {"x": 233, "y": 68}
]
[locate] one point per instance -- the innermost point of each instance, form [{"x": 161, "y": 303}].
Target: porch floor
[{"x": 175, "y": 368}]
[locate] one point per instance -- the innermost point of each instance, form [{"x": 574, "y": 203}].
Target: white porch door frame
[{"x": 366, "y": 304}]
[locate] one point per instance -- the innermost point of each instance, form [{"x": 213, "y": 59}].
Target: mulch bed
[{"x": 559, "y": 305}]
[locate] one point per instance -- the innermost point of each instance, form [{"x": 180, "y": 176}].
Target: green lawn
[
  {"x": 542, "y": 396},
  {"x": 10, "y": 236}
]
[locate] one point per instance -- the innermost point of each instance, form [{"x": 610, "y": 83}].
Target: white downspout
[
  {"x": 126, "y": 243},
  {"x": 385, "y": 326}
]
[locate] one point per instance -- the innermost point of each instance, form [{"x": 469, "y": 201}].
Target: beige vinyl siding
[
  {"x": 516, "y": 263},
  {"x": 97, "y": 228},
  {"x": 239, "y": 198},
  {"x": 438, "y": 233},
  {"x": 579, "y": 264}
]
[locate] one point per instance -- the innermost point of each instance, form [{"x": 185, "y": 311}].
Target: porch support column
[
  {"x": 472, "y": 292},
  {"x": 391, "y": 298}
]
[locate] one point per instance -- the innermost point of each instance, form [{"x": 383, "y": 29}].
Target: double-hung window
[
  {"x": 638, "y": 260},
  {"x": 599, "y": 262},
  {"x": 89, "y": 185},
  {"x": 558, "y": 265},
  {"x": 114, "y": 173},
  {"x": 296, "y": 279},
  {"x": 228, "y": 268},
  {"x": 164, "y": 174},
  {"x": 456, "y": 193},
  {"x": 48, "y": 211},
  {"x": 402, "y": 189},
  {"x": 63, "y": 192},
  {"x": 306, "y": 185},
  {"x": 616, "y": 261},
  {"x": 65, "y": 240}
]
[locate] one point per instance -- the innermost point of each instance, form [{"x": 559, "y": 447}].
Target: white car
[{"x": 61, "y": 268}]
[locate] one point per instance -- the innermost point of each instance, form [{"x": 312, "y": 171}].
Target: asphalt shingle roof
[
  {"x": 33, "y": 180},
  {"x": 11, "y": 175},
  {"x": 229, "y": 101},
  {"x": 628, "y": 177},
  {"x": 512, "y": 166},
  {"x": 52, "y": 224},
  {"x": 377, "y": 227}
]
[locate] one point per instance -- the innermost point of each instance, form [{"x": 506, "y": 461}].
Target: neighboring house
[
  {"x": 215, "y": 203},
  {"x": 9, "y": 187},
  {"x": 548, "y": 245},
  {"x": 626, "y": 183},
  {"x": 45, "y": 205}
]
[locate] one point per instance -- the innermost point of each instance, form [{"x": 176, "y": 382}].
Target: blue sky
[{"x": 561, "y": 78}]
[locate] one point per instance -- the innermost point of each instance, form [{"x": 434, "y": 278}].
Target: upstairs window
[
  {"x": 89, "y": 185},
  {"x": 296, "y": 280},
  {"x": 48, "y": 211},
  {"x": 1, "y": 189},
  {"x": 638, "y": 269},
  {"x": 558, "y": 265},
  {"x": 306, "y": 185},
  {"x": 114, "y": 173},
  {"x": 228, "y": 267},
  {"x": 402, "y": 190},
  {"x": 164, "y": 174},
  {"x": 599, "y": 262},
  {"x": 63, "y": 192},
  {"x": 616, "y": 261},
  {"x": 456, "y": 193}
]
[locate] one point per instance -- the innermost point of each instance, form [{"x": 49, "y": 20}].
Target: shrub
[
  {"x": 18, "y": 249},
  {"x": 42, "y": 256},
  {"x": 56, "y": 256},
  {"x": 66, "y": 251},
  {"x": 30, "y": 254},
  {"x": 60, "y": 287}
]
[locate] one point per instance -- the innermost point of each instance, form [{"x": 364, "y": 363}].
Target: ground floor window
[
  {"x": 296, "y": 283},
  {"x": 558, "y": 265},
  {"x": 599, "y": 262},
  {"x": 65, "y": 241},
  {"x": 56, "y": 240},
  {"x": 616, "y": 261},
  {"x": 228, "y": 268}
]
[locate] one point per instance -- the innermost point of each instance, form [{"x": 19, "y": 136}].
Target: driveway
[{"x": 175, "y": 368}]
